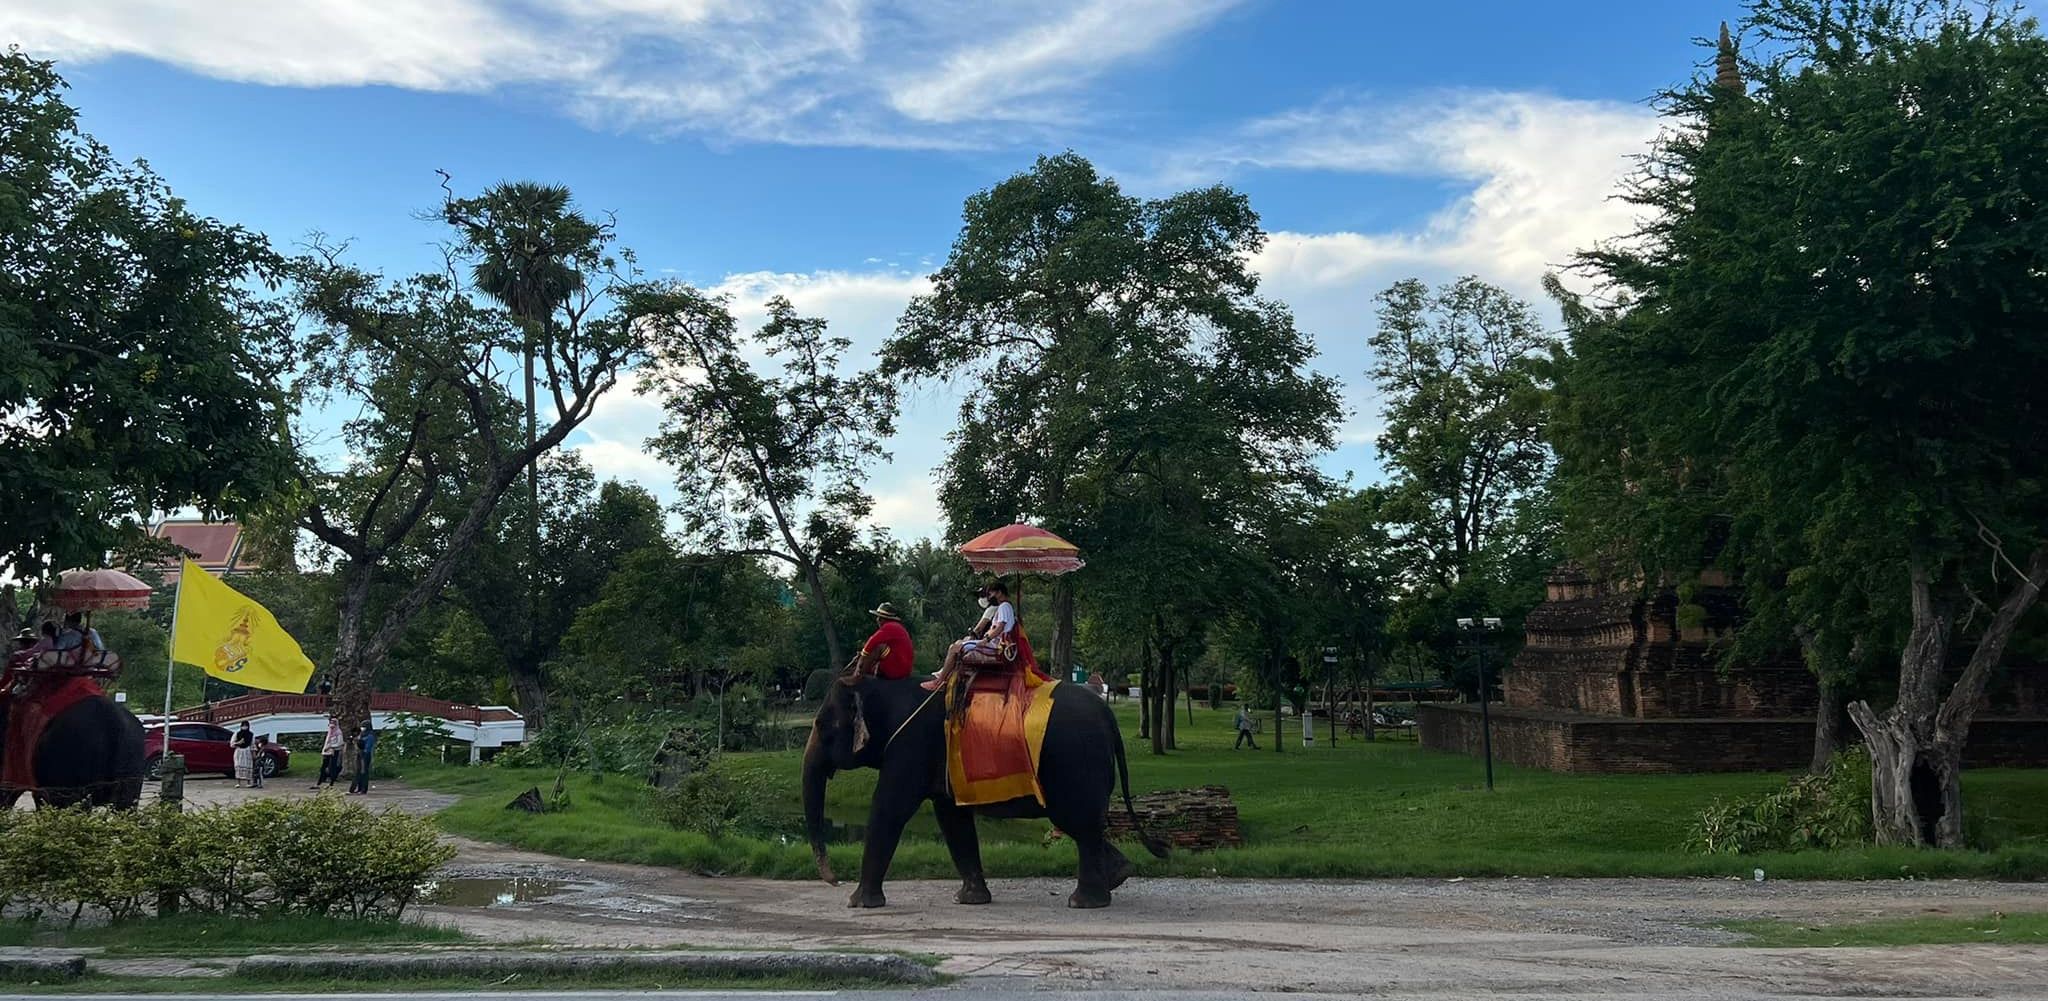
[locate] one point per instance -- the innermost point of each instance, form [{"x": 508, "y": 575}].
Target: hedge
[{"x": 314, "y": 857}]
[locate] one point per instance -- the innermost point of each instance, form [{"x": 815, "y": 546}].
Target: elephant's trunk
[{"x": 817, "y": 771}]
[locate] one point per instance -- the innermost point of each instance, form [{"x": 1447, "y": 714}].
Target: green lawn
[
  {"x": 1999, "y": 929},
  {"x": 1354, "y": 809}
]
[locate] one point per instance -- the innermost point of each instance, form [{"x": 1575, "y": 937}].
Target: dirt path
[{"x": 1403, "y": 937}]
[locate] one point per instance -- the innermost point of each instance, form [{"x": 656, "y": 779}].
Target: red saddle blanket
[
  {"x": 28, "y": 714},
  {"x": 992, "y": 746}
]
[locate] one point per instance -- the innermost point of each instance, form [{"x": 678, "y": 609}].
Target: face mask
[{"x": 984, "y": 601}]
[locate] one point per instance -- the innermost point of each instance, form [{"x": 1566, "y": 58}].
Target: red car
[{"x": 207, "y": 748}]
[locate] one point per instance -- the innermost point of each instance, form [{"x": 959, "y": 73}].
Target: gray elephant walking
[{"x": 892, "y": 726}]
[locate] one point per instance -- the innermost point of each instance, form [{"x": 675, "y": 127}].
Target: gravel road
[{"x": 1494, "y": 938}]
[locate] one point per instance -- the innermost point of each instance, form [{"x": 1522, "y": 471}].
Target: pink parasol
[
  {"x": 92, "y": 590},
  {"x": 1019, "y": 549}
]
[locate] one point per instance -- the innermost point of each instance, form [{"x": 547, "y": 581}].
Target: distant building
[{"x": 217, "y": 546}]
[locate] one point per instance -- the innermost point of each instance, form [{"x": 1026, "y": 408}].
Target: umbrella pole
[{"x": 171, "y": 660}]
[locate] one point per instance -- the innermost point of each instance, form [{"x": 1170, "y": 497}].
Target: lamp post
[{"x": 1479, "y": 635}]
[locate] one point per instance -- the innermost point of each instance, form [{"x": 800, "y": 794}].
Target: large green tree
[
  {"x": 1121, "y": 367},
  {"x": 769, "y": 465},
  {"x": 1830, "y": 325},
  {"x": 433, "y": 443},
  {"x": 142, "y": 349},
  {"x": 587, "y": 531},
  {"x": 1459, "y": 379}
]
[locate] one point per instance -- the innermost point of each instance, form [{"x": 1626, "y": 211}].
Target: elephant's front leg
[
  {"x": 895, "y": 800},
  {"x": 957, "y": 825}
]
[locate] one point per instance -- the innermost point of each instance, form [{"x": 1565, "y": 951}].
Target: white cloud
[
  {"x": 1542, "y": 171},
  {"x": 908, "y": 506},
  {"x": 1045, "y": 56},
  {"x": 1539, "y": 175},
  {"x": 834, "y": 72}
]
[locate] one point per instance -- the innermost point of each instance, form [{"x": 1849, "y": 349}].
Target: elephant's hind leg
[
  {"x": 956, "y": 824},
  {"x": 1093, "y": 888}
]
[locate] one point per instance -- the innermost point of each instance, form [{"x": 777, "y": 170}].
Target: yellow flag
[{"x": 233, "y": 638}]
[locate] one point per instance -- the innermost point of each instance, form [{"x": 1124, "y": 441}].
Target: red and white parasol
[
  {"x": 94, "y": 590},
  {"x": 1020, "y": 549}
]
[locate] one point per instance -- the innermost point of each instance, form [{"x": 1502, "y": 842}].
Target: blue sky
[{"x": 821, "y": 150}]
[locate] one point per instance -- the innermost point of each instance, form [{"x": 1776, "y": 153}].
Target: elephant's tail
[{"x": 1123, "y": 774}]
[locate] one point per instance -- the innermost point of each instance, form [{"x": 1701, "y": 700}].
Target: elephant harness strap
[
  {"x": 993, "y": 741},
  {"x": 29, "y": 711}
]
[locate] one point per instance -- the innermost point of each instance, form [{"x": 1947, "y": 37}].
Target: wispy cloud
[
  {"x": 816, "y": 72},
  {"x": 1533, "y": 178},
  {"x": 1006, "y": 76}
]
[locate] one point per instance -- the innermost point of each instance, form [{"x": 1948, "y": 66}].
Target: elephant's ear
[{"x": 860, "y": 725}]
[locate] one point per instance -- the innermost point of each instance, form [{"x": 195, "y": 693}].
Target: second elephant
[{"x": 892, "y": 726}]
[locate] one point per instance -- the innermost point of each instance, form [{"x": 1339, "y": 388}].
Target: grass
[
  {"x": 236, "y": 985},
  {"x": 1999, "y": 929},
  {"x": 214, "y": 935},
  {"x": 1383, "y": 809}
]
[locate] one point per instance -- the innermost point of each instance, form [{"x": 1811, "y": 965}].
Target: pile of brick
[{"x": 1199, "y": 820}]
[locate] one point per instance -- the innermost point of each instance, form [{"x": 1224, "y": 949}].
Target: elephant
[
  {"x": 89, "y": 753},
  {"x": 896, "y": 727}
]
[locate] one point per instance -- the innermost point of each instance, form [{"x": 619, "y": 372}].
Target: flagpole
[{"x": 171, "y": 654}]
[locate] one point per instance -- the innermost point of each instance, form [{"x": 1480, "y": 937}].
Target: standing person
[
  {"x": 888, "y": 654},
  {"x": 326, "y": 686},
  {"x": 257, "y": 757},
  {"x": 244, "y": 753},
  {"x": 1244, "y": 729},
  {"x": 330, "y": 755},
  {"x": 366, "y": 748}
]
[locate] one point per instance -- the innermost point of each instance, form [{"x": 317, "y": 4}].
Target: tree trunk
[
  {"x": 1279, "y": 699},
  {"x": 10, "y": 613},
  {"x": 1372, "y": 677},
  {"x": 1156, "y": 702},
  {"x": 1145, "y": 690},
  {"x": 1916, "y": 747},
  {"x": 353, "y": 672},
  {"x": 1827, "y": 726},
  {"x": 815, "y": 582},
  {"x": 1062, "y": 627},
  {"x": 1169, "y": 694},
  {"x": 532, "y": 693}
]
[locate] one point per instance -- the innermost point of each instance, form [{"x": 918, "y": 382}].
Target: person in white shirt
[
  {"x": 990, "y": 642},
  {"x": 330, "y": 754}
]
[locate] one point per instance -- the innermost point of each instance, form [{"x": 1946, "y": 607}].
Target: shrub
[
  {"x": 717, "y": 800},
  {"x": 318, "y": 858},
  {"x": 818, "y": 684},
  {"x": 410, "y": 736},
  {"x": 1830, "y": 809}
]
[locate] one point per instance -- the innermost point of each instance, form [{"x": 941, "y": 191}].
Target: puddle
[{"x": 467, "y": 891}]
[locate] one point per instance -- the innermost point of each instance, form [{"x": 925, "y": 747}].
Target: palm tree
[{"x": 527, "y": 242}]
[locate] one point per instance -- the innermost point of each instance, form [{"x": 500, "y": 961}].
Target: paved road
[
  {"x": 1401, "y": 938},
  {"x": 969, "y": 994},
  {"x": 1490, "y": 938}
]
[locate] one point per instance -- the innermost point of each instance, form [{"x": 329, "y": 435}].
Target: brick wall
[
  {"x": 1565, "y": 742},
  {"x": 1200, "y": 819}
]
